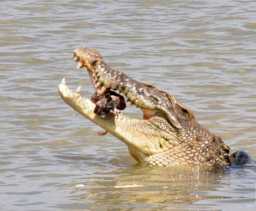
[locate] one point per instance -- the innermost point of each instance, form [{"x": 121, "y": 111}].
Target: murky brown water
[{"x": 51, "y": 158}]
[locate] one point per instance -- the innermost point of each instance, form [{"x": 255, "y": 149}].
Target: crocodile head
[{"x": 153, "y": 141}]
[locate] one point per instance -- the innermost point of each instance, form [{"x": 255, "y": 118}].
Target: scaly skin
[{"x": 151, "y": 100}]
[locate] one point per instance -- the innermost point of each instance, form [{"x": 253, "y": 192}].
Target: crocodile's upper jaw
[{"x": 87, "y": 58}]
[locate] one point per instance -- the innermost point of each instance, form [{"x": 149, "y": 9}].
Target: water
[{"x": 51, "y": 158}]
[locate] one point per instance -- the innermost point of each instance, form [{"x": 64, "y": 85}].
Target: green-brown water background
[{"x": 204, "y": 52}]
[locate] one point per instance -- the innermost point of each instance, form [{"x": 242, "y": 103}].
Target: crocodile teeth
[
  {"x": 63, "y": 81},
  {"x": 78, "y": 89},
  {"x": 79, "y": 65}
]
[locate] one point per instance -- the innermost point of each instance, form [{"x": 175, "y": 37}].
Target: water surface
[{"x": 204, "y": 52}]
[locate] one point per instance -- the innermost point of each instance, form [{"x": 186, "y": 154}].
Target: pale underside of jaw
[{"x": 130, "y": 130}]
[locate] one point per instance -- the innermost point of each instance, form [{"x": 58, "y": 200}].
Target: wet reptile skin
[{"x": 186, "y": 141}]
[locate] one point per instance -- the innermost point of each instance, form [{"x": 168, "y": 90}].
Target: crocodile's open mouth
[{"x": 140, "y": 135}]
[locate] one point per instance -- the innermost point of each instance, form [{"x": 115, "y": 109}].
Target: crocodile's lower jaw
[{"x": 138, "y": 134}]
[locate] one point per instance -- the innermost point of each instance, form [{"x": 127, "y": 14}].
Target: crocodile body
[{"x": 169, "y": 135}]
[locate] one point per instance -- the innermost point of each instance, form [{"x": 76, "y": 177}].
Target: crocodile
[{"x": 169, "y": 136}]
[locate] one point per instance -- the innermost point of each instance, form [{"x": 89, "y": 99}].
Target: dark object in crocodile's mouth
[{"x": 108, "y": 101}]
